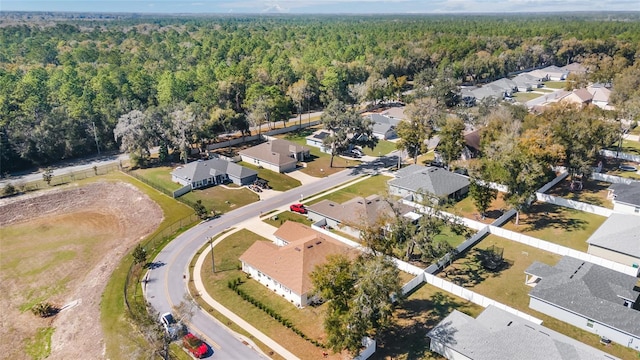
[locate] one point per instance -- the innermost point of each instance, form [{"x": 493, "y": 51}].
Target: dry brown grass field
[{"x": 61, "y": 246}]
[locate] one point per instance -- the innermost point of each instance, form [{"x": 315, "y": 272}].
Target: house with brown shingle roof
[
  {"x": 286, "y": 269},
  {"x": 350, "y": 216},
  {"x": 581, "y": 97},
  {"x": 277, "y": 155}
]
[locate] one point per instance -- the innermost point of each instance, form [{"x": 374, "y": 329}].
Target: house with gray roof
[
  {"x": 317, "y": 140},
  {"x": 617, "y": 239},
  {"x": 625, "y": 197},
  {"x": 276, "y": 155},
  {"x": 527, "y": 82},
  {"x": 384, "y": 127},
  {"x": 203, "y": 173},
  {"x": 498, "y": 334},
  {"x": 588, "y": 296},
  {"x": 550, "y": 73},
  {"x": 436, "y": 183}
]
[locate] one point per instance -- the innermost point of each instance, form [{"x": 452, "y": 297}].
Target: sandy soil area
[{"x": 112, "y": 217}]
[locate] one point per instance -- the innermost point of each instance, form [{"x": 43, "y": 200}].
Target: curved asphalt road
[{"x": 166, "y": 286}]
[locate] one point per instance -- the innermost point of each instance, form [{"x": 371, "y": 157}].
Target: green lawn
[
  {"x": 555, "y": 84},
  {"x": 544, "y": 90},
  {"x": 424, "y": 308},
  {"x": 635, "y": 131},
  {"x": 593, "y": 192},
  {"x": 557, "y": 224},
  {"x": 222, "y": 199},
  {"x": 628, "y": 146},
  {"x": 525, "y": 96},
  {"x": 308, "y": 319},
  {"x": 507, "y": 285},
  {"x": 424, "y": 159},
  {"x": 376, "y": 184},
  {"x": 160, "y": 176},
  {"x": 277, "y": 181},
  {"x": 282, "y": 217},
  {"x": 466, "y": 208},
  {"x": 383, "y": 147}
]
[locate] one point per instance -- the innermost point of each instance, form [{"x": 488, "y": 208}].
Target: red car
[
  {"x": 299, "y": 208},
  {"x": 195, "y": 346}
]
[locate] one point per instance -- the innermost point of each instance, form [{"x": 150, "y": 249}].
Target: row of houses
[{"x": 524, "y": 82}]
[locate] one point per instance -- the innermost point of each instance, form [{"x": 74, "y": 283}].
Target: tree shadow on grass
[
  {"x": 544, "y": 215},
  {"x": 407, "y": 337}
]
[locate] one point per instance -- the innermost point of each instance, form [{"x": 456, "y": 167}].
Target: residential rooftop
[{"x": 620, "y": 233}]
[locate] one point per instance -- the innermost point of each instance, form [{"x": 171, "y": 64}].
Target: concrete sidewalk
[{"x": 260, "y": 336}]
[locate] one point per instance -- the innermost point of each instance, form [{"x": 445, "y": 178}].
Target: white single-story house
[
  {"x": 574, "y": 68},
  {"x": 589, "y": 296},
  {"x": 498, "y": 334},
  {"x": 527, "y": 82},
  {"x": 350, "y": 216},
  {"x": 617, "y": 239},
  {"x": 276, "y": 155},
  {"x": 437, "y": 183},
  {"x": 317, "y": 140},
  {"x": 626, "y": 198},
  {"x": 202, "y": 173},
  {"x": 384, "y": 127},
  {"x": 285, "y": 269},
  {"x": 600, "y": 96}
]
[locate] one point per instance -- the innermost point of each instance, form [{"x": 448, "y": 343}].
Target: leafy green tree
[
  {"x": 136, "y": 135},
  {"x": 299, "y": 93},
  {"x": 416, "y": 132},
  {"x": 139, "y": 255},
  {"x": 482, "y": 196},
  {"x": 346, "y": 127},
  {"x": 200, "y": 210},
  {"x": 44, "y": 309},
  {"x": 451, "y": 140}
]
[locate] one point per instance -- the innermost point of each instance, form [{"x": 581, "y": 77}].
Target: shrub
[{"x": 44, "y": 309}]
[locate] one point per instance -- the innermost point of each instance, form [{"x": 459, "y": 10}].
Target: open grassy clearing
[
  {"x": 160, "y": 176},
  {"x": 507, "y": 285},
  {"x": 557, "y": 224},
  {"x": 308, "y": 319},
  {"x": 318, "y": 164},
  {"x": 555, "y": 84},
  {"x": 280, "y": 218},
  {"x": 117, "y": 328},
  {"x": 424, "y": 308},
  {"x": 383, "y": 147},
  {"x": 593, "y": 192},
  {"x": 376, "y": 184},
  {"x": 467, "y": 209},
  {"x": 222, "y": 199},
  {"x": 525, "y": 96},
  {"x": 277, "y": 181}
]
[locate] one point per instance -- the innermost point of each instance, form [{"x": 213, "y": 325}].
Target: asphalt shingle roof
[
  {"x": 590, "y": 290},
  {"x": 497, "y": 334},
  {"x": 432, "y": 180},
  {"x": 201, "y": 170},
  {"x": 277, "y": 152},
  {"x": 620, "y": 233},
  {"x": 627, "y": 193},
  {"x": 382, "y": 124}
]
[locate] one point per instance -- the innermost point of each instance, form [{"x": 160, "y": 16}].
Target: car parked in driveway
[{"x": 299, "y": 208}]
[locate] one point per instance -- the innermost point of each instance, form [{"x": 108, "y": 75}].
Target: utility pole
[{"x": 213, "y": 264}]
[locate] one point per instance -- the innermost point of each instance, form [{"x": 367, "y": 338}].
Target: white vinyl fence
[
  {"x": 369, "y": 348},
  {"x": 612, "y": 178},
  {"x": 562, "y": 250},
  {"x": 593, "y": 209},
  {"x": 620, "y": 155},
  {"x": 475, "y": 297}
]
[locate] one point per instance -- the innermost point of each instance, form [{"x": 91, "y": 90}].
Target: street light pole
[{"x": 213, "y": 264}]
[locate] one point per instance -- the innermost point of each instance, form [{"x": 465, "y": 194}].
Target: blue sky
[{"x": 319, "y": 6}]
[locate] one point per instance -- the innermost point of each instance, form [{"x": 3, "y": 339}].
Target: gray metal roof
[
  {"x": 201, "y": 170},
  {"x": 497, "y": 334},
  {"x": 592, "y": 291},
  {"x": 431, "y": 180},
  {"x": 620, "y": 233},
  {"x": 627, "y": 193}
]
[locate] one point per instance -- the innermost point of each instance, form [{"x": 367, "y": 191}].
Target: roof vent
[
  {"x": 331, "y": 205},
  {"x": 510, "y": 322},
  {"x": 318, "y": 242},
  {"x": 309, "y": 246},
  {"x": 297, "y": 249}
]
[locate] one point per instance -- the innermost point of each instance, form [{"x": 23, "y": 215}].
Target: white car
[{"x": 168, "y": 322}]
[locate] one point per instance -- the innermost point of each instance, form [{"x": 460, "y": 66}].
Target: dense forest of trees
[{"x": 65, "y": 84}]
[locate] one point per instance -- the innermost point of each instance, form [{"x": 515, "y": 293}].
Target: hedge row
[{"x": 235, "y": 286}]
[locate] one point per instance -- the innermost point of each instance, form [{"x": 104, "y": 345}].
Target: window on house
[{"x": 590, "y": 323}]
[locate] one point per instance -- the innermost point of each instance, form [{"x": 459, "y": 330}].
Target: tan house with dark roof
[
  {"x": 277, "y": 155},
  {"x": 286, "y": 269},
  {"x": 581, "y": 97}
]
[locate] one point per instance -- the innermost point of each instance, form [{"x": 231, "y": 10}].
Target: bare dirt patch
[{"x": 62, "y": 246}]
